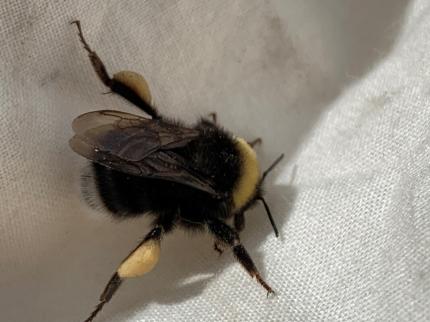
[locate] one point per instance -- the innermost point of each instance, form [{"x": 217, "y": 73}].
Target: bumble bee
[{"x": 195, "y": 177}]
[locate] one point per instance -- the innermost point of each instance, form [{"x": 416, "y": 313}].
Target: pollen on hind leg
[
  {"x": 141, "y": 261},
  {"x": 135, "y": 82}
]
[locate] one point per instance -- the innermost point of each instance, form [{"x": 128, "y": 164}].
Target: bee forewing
[
  {"x": 95, "y": 119},
  {"x": 81, "y": 147}
]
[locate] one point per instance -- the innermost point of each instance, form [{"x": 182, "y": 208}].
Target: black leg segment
[
  {"x": 218, "y": 247},
  {"x": 255, "y": 142},
  {"x": 213, "y": 116},
  {"x": 229, "y": 236},
  {"x": 111, "y": 287},
  {"x": 114, "y": 84},
  {"x": 239, "y": 221}
]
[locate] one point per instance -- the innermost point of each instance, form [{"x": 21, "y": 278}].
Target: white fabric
[{"x": 341, "y": 86}]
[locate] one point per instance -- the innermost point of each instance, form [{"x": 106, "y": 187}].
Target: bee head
[{"x": 248, "y": 187}]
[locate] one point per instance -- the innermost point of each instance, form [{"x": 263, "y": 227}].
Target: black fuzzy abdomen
[{"x": 128, "y": 196}]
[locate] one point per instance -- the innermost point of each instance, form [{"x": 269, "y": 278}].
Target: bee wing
[
  {"x": 138, "y": 146},
  {"x": 129, "y": 136}
]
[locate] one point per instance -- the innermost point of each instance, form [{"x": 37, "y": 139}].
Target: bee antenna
[
  {"x": 266, "y": 206},
  {"x": 269, "y": 214},
  {"x": 274, "y": 164}
]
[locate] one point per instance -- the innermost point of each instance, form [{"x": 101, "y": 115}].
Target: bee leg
[
  {"x": 110, "y": 289},
  {"x": 140, "y": 261},
  {"x": 213, "y": 116},
  {"x": 129, "y": 85},
  {"x": 239, "y": 221},
  {"x": 218, "y": 247},
  {"x": 255, "y": 142},
  {"x": 230, "y": 237}
]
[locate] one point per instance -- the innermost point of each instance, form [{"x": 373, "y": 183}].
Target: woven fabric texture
[{"x": 342, "y": 87}]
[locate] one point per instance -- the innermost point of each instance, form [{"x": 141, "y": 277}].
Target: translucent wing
[{"x": 138, "y": 146}]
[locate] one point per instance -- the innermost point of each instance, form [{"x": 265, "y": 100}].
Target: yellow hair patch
[
  {"x": 249, "y": 176},
  {"x": 136, "y": 82},
  {"x": 141, "y": 261}
]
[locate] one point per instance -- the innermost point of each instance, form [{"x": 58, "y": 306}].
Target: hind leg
[
  {"x": 140, "y": 261},
  {"x": 131, "y": 86}
]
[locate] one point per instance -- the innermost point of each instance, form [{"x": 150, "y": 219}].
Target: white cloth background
[{"x": 341, "y": 86}]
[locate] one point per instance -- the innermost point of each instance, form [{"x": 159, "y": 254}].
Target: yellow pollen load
[
  {"x": 136, "y": 82},
  {"x": 141, "y": 261},
  {"x": 249, "y": 176}
]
